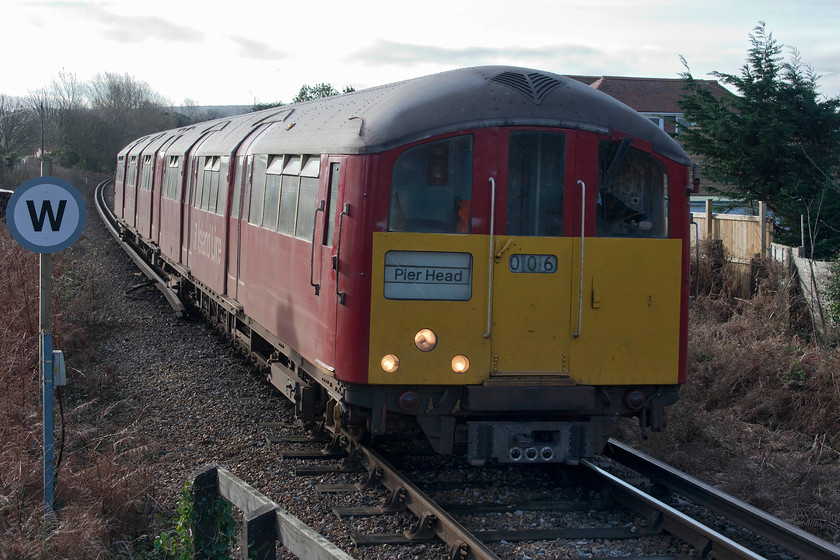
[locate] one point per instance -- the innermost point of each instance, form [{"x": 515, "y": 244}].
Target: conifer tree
[{"x": 777, "y": 140}]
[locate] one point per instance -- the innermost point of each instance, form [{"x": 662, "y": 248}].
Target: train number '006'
[{"x": 534, "y": 264}]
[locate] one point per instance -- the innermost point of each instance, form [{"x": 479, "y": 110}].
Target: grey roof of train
[{"x": 380, "y": 118}]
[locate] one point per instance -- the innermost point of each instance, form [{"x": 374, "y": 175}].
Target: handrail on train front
[
  {"x": 492, "y": 256},
  {"x": 582, "y": 237}
]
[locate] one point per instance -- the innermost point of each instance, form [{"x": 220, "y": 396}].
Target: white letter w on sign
[{"x": 46, "y": 212}]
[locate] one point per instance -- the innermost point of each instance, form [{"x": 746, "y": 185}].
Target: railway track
[
  {"x": 110, "y": 221},
  {"x": 426, "y": 502},
  {"x": 468, "y": 529}
]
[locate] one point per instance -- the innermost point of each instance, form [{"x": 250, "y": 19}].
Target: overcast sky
[{"x": 246, "y": 51}]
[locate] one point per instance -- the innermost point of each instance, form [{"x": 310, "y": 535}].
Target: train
[{"x": 495, "y": 258}]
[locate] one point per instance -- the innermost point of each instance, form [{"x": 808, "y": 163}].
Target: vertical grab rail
[
  {"x": 492, "y": 256},
  {"x": 582, "y": 232},
  {"x": 312, "y": 251},
  {"x": 336, "y": 263}
]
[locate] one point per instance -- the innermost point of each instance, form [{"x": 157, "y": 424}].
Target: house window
[{"x": 658, "y": 121}]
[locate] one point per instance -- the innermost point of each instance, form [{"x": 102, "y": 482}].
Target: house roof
[{"x": 648, "y": 95}]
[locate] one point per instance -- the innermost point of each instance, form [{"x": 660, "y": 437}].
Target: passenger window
[
  {"x": 255, "y": 209},
  {"x": 307, "y": 199},
  {"x": 146, "y": 181},
  {"x": 431, "y": 188},
  {"x": 632, "y": 192},
  {"x": 221, "y": 198},
  {"x": 288, "y": 204},
  {"x": 536, "y": 171},
  {"x": 173, "y": 180},
  {"x": 132, "y": 172},
  {"x": 272, "y": 200},
  {"x": 238, "y": 174}
]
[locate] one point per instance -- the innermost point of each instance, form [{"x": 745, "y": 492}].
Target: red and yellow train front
[{"x": 543, "y": 273}]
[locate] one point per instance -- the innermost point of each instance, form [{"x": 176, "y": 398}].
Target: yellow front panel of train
[
  {"x": 628, "y": 305},
  {"x": 531, "y": 307},
  {"x": 429, "y": 281},
  {"x": 630, "y": 320}
]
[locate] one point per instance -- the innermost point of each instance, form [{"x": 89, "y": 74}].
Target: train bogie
[{"x": 496, "y": 255}]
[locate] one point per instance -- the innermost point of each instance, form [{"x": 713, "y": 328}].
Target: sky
[{"x": 261, "y": 51}]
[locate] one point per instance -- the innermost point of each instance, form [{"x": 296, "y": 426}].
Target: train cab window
[
  {"x": 632, "y": 193},
  {"x": 536, "y": 169},
  {"x": 431, "y": 187}
]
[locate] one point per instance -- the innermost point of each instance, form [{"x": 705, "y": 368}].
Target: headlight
[
  {"x": 425, "y": 340},
  {"x": 390, "y": 363},
  {"x": 460, "y": 364}
]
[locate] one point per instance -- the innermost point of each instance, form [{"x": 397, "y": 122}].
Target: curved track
[{"x": 113, "y": 226}]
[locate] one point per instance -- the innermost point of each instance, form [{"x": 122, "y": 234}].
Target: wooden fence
[
  {"x": 267, "y": 524},
  {"x": 743, "y": 237}
]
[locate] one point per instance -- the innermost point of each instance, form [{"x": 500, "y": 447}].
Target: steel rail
[
  {"x": 110, "y": 221},
  {"x": 463, "y": 544},
  {"x": 706, "y": 542},
  {"x": 769, "y": 527}
]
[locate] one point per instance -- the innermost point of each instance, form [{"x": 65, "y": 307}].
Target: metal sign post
[{"x": 46, "y": 215}]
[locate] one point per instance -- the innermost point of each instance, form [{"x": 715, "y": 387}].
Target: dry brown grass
[
  {"x": 102, "y": 488},
  {"x": 760, "y": 413}
]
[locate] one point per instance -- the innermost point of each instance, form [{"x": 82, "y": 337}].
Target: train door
[
  {"x": 532, "y": 261},
  {"x": 324, "y": 276},
  {"x": 242, "y": 166},
  {"x": 627, "y": 298}
]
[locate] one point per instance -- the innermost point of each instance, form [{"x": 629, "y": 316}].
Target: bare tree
[
  {"x": 16, "y": 138},
  {"x": 15, "y": 125},
  {"x": 67, "y": 91},
  {"x": 121, "y": 93}
]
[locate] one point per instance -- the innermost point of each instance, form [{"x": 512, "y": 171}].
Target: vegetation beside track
[{"x": 759, "y": 414}]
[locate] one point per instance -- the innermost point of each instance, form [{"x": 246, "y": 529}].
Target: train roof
[{"x": 384, "y": 117}]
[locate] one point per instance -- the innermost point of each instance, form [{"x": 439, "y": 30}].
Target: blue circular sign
[{"x": 46, "y": 215}]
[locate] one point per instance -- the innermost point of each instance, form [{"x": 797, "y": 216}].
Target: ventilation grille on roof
[{"x": 533, "y": 85}]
